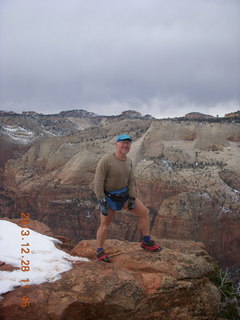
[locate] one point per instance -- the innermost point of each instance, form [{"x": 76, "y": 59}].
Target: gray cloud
[{"x": 160, "y": 57}]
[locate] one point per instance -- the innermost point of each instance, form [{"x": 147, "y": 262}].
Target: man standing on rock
[{"x": 114, "y": 187}]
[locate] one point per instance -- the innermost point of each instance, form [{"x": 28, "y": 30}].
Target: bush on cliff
[{"x": 230, "y": 298}]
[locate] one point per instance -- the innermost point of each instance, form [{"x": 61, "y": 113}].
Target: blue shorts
[{"x": 117, "y": 205}]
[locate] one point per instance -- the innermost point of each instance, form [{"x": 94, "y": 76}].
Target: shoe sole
[
  {"x": 151, "y": 249},
  {"x": 105, "y": 259}
]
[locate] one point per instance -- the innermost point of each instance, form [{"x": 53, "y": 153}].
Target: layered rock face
[
  {"x": 172, "y": 284},
  {"x": 187, "y": 174},
  {"x": 195, "y": 191}
]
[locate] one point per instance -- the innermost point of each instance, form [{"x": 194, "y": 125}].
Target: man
[{"x": 114, "y": 187}]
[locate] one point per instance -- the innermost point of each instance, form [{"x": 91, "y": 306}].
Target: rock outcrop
[{"x": 170, "y": 285}]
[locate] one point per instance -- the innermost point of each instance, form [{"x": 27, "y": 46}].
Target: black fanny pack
[{"x": 117, "y": 197}]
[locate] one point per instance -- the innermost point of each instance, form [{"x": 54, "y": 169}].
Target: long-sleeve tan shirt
[{"x": 114, "y": 174}]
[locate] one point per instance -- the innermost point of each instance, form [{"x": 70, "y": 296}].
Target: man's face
[{"x": 123, "y": 146}]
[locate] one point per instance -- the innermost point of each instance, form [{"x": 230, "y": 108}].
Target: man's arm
[
  {"x": 99, "y": 179},
  {"x": 131, "y": 184}
]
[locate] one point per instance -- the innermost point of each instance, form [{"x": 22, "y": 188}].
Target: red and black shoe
[
  {"x": 101, "y": 256},
  {"x": 151, "y": 246}
]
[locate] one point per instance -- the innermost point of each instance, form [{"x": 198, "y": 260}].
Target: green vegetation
[{"x": 230, "y": 299}]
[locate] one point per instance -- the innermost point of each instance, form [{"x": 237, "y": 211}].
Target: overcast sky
[{"x": 159, "y": 57}]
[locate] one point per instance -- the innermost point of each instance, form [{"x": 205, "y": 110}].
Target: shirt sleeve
[
  {"x": 100, "y": 176},
  {"x": 131, "y": 184}
]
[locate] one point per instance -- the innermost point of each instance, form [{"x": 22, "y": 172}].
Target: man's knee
[
  {"x": 104, "y": 226},
  {"x": 106, "y": 221},
  {"x": 141, "y": 209},
  {"x": 146, "y": 212}
]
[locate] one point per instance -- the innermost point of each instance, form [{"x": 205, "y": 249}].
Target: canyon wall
[{"x": 187, "y": 173}]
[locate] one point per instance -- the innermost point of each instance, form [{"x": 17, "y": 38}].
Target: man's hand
[
  {"x": 103, "y": 207},
  {"x": 131, "y": 203}
]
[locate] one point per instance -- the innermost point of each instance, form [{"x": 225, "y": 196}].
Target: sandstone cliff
[{"x": 187, "y": 173}]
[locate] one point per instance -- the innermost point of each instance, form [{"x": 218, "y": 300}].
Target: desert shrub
[{"x": 229, "y": 307}]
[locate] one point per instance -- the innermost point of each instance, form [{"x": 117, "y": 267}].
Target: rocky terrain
[
  {"x": 171, "y": 284},
  {"x": 187, "y": 173}
]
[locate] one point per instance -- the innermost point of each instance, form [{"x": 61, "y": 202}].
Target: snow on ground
[
  {"x": 18, "y": 133},
  {"x": 34, "y": 254}
]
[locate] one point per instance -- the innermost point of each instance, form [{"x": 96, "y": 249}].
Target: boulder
[{"x": 171, "y": 284}]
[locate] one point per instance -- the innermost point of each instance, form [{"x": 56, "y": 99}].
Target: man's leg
[
  {"x": 103, "y": 228},
  {"x": 143, "y": 213},
  {"x": 144, "y": 223}
]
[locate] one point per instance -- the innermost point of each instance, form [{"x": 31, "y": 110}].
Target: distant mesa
[
  {"x": 29, "y": 113},
  {"x": 233, "y": 114},
  {"x": 197, "y": 115},
  {"x": 78, "y": 113},
  {"x": 135, "y": 114},
  {"x": 131, "y": 114},
  {"x": 5, "y": 113},
  {"x": 85, "y": 114}
]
